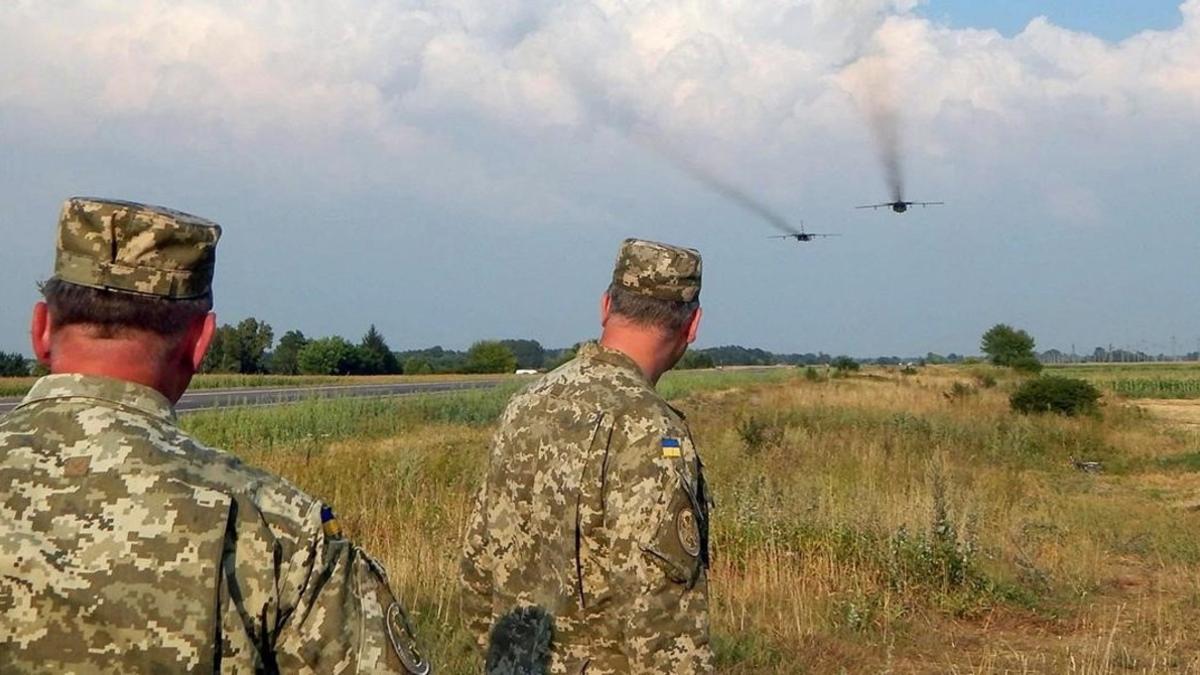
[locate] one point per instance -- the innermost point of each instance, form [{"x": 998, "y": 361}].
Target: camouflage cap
[
  {"x": 658, "y": 270},
  {"x": 135, "y": 248}
]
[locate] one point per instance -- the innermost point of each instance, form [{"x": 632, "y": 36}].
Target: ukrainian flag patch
[
  {"x": 329, "y": 522},
  {"x": 671, "y": 448}
]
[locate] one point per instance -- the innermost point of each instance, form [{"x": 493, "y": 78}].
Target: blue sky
[
  {"x": 1108, "y": 19},
  {"x": 453, "y": 170}
]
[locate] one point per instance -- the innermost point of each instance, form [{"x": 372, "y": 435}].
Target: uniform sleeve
[
  {"x": 476, "y": 573},
  {"x": 656, "y": 514},
  {"x": 346, "y": 618}
]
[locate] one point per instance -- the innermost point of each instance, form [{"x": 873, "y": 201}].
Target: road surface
[{"x": 209, "y": 399}]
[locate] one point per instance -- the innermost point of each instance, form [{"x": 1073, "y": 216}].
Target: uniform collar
[
  {"x": 594, "y": 351},
  {"x": 104, "y": 390}
]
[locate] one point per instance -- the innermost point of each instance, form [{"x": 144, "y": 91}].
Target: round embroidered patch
[
  {"x": 401, "y": 635},
  {"x": 688, "y": 531}
]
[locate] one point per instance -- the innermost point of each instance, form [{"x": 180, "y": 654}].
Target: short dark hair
[
  {"x": 669, "y": 315},
  {"x": 112, "y": 313}
]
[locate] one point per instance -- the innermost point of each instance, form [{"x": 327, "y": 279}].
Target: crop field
[
  {"x": 879, "y": 523},
  {"x": 1140, "y": 380}
]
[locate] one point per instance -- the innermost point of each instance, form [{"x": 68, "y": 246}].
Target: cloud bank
[{"x": 516, "y": 114}]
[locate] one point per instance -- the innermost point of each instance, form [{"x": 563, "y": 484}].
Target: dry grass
[{"x": 875, "y": 524}]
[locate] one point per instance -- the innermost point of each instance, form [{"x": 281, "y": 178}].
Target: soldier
[
  {"x": 125, "y": 545},
  {"x": 588, "y": 546}
]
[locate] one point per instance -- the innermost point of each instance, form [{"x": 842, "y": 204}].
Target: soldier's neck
[
  {"x": 130, "y": 360},
  {"x": 652, "y": 354}
]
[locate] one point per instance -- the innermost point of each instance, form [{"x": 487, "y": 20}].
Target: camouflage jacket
[
  {"x": 589, "y": 537},
  {"x": 126, "y": 546}
]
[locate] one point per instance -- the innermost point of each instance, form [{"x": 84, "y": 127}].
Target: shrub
[
  {"x": 1027, "y": 364},
  {"x": 757, "y": 433},
  {"x": 986, "y": 380},
  {"x": 812, "y": 375},
  {"x": 960, "y": 391},
  {"x": 845, "y": 364},
  {"x": 1062, "y": 395}
]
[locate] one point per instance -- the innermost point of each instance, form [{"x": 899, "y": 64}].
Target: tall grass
[{"x": 877, "y": 523}]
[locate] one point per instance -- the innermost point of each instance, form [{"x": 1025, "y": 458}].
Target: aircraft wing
[
  {"x": 927, "y": 203},
  {"x": 874, "y": 206},
  {"x": 814, "y": 234}
]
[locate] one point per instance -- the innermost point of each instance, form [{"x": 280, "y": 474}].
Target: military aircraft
[
  {"x": 801, "y": 235},
  {"x": 900, "y": 206}
]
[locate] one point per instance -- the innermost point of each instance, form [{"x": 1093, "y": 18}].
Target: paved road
[{"x": 208, "y": 399}]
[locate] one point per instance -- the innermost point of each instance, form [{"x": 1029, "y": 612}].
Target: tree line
[{"x": 249, "y": 347}]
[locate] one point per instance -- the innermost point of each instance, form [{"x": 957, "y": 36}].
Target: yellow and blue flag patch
[
  {"x": 671, "y": 448},
  {"x": 329, "y": 523}
]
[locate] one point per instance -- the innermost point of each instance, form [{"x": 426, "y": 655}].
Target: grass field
[
  {"x": 880, "y": 523},
  {"x": 18, "y": 386},
  {"x": 1140, "y": 380}
]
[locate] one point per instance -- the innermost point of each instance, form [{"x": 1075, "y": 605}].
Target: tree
[
  {"x": 695, "y": 360},
  {"x": 529, "y": 353},
  {"x": 240, "y": 349},
  {"x": 377, "y": 358},
  {"x": 328, "y": 356},
  {"x": 489, "y": 356},
  {"x": 219, "y": 358},
  {"x": 284, "y": 360},
  {"x": 252, "y": 340},
  {"x": 561, "y": 356},
  {"x": 416, "y": 365},
  {"x": 1006, "y": 346},
  {"x": 13, "y": 365}
]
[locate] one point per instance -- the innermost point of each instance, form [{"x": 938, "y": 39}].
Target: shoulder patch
[
  {"x": 400, "y": 634},
  {"x": 671, "y": 448},
  {"x": 688, "y": 531}
]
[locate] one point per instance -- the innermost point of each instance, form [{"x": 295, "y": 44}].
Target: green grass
[{"x": 19, "y": 386}]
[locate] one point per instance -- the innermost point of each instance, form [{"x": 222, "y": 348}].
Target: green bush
[
  {"x": 1027, "y": 364},
  {"x": 844, "y": 364},
  {"x": 1062, "y": 395}
]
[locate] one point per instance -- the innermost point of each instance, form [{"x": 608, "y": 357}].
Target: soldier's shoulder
[
  {"x": 593, "y": 384},
  {"x": 156, "y": 446},
  {"x": 282, "y": 504}
]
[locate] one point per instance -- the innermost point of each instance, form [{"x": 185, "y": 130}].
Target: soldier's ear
[
  {"x": 693, "y": 327},
  {"x": 204, "y": 336},
  {"x": 605, "y": 309},
  {"x": 40, "y": 327}
]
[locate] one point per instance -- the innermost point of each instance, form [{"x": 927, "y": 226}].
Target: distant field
[
  {"x": 18, "y": 386},
  {"x": 1140, "y": 380},
  {"x": 879, "y": 523}
]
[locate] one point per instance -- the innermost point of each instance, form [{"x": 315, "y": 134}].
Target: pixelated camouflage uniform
[
  {"x": 593, "y": 517},
  {"x": 126, "y": 546}
]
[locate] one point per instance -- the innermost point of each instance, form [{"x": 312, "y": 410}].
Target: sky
[{"x": 465, "y": 169}]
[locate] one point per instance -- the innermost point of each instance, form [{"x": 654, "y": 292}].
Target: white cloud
[{"x": 343, "y": 80}]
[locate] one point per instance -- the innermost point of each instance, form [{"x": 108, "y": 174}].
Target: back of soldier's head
[
  {"x": 123, "y": 269},
  {"x": 655, "y": 285}
]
